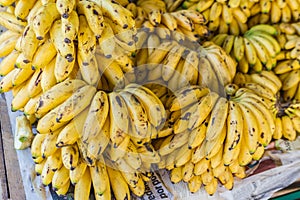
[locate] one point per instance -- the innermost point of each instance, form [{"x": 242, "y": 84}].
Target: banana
[
  {"x": 76, "y": 103},
  {"x": 132, "y": 157},
  {"x": 89, "y": 69},
  {"x": 117, "y": 180},
  {"x": 6, "y": 2},
  {"x": 38, "y": 167},
  {"x": 8, "y": 63},
  {"x": 151, "y": 103},
  {"x": 116, "y": 12},
  {"x": 215, "y": 11},
  {"x": 259, "y": 152},
  {"x": 65, "y": 49},
  {"x": 36, "y": 152},
  {"x": 70, "y": 156},
  {"x": 21, "y": 98},
  {"x": 83, "y": 186},
  {"x": 204, "y": 108},
  {"x": 57, "y": 95},
  {"x": 270, "y": 44},
  {"x": 112, "y": 72},
  {"x": 250, "y": 128},
  {"x": 70, "y": 27},
  {"x": 65, "y": 7},
  {"x": 138, "y": 116},
  {"x": 48, "y": 79},
  {"x": 278, "y": 131},
  {"x": 211, "y": 187},
  {"x": 228, "y": 43},
  {"x": 288, "y": 130},
  {"x": 7, "y": 46},
  {"x": 22, "y": 8},
  {"x": 54, "y": 161},
  {"x": 259, "y": 90},
  {"x": 213, "y": 146},
  {"x": 119, "y": 122},
  {"x": 238, "y": 48},
  {"x": 172, "y": 142},
  {"x": 78, "y": 172},
  {"x": 186, "y": 96},
  {"x": 160, "y": 52},
  {"x": 291, "y": 80},
  {"x": 234, "y": 130},
  {"x": 44, "y": 54},
  {"x": 171, "y": 61},
  {"x": 220, "y": 66},
  {"x": 98, "y": 144},
  {"x": 217, "y": 159},
  {"x": 286, "y": 66},
  {"x": 93, "y": 14},
  {"x": 264, "y": 28},
  {"x": 60, "y": 178},
  {"x": 100, "y": 178},
  {"x": 48, "y": 146},
  {"x": 187, "y": 171},
  {"x": 244, "y": 157},
  {"x": 220, "y": 39},
  {"x": 64, "y": 189},
  {"x": 34, "y": 87},
  {"x": 21, "y": 76},
  {"x": 264, "y": 132},
  {"x": 43, "y": 19},
  {"x": 97, "y": 114},
  {"x": 262, "y": 80},
  {"x": 197, "y": 135},
  {"x": 169, "y": 21},
  {"x": 10, "y": 21},
  {"x": 218, "y": 118},
  {"x": 47, "y": 173},
  {"x": 194, "y": 184},
  {"x": 176, "y": 175}
]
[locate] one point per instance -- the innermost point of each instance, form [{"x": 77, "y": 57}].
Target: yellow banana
[
  {"x": 10, "y": 21},
  {"x": 57, "y": 95},
  {"x": 43, "y": 19},
  {"x": 83, "y": 186},
  {"x": 65, "y": 7},
  {"x": 70, "y": 156},
  {"x": 78, "y": 172},
  {"x": 43, "y": 55},
  {"x": 8, "y": 63},
  {"x": 250, "y": 128},
  {"x": 60, "y": 178},
  {"x": 22, "y": 8}
]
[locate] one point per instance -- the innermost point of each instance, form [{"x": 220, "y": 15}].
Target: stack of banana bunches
[{"x": 117, "y": 89}]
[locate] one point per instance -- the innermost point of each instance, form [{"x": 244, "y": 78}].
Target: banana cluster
[
  {"x": 256, "y": 49},
  {"x": 237, "y": 16},
  {"x": 82, "y": 133},
  {"x": 288, "y": 71},
  {"x": 178, "y": 25},
  {"x": 214, "y": 137}
]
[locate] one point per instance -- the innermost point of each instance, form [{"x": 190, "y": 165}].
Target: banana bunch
[
  {"x": 213, "y": 137},
  {"x": 274, "y": 12},
  {"x": 288, "y": 72},
  {"x": 83, "y": 129},
  {"x": 223, "y": 16},
  {"x": 256, "y": 49},
  {"x": 178, "y": 25},
  {"x": 216, "y": 67},
  {"x": 288, "y": 38}
]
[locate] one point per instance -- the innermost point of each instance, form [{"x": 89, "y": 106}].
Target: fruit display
[{"x": 118, "y": 89}]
